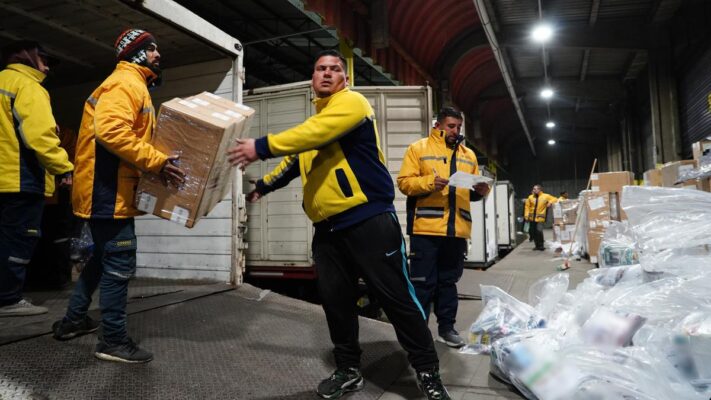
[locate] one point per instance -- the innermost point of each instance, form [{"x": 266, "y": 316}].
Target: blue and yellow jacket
[
  {"x": 29, "y": 145},
  {"x": 437, "y": 213},
  {"x": 337, "y": 154},
  {"x": 113, "y": 147}
]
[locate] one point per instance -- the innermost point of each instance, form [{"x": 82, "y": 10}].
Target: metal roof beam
[
  {"x": 600, "y": 36},
  {"x": 594, "y": 12},
  {"x": 584, "y": 65}
]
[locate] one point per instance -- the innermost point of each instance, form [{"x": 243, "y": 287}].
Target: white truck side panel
[
  {"x": 166, "y": 249},
  {"x": 279, "y": 233}
]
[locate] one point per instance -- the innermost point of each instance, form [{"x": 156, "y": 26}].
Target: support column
[{"x": 663, "y": 98}]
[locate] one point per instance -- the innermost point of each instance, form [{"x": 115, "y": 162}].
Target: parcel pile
[{"x": 639, "y": 327}]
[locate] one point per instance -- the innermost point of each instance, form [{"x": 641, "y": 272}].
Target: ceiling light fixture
[
  {"x": 550, "y": 124},
  {"x": 547, "y": 93},
  {"x": 542, "y": 33},
  {"x": 551, "y": 142}
]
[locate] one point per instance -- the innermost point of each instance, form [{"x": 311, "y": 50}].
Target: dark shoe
[
  {"x": 22, "y": 308},
  {"x": 127, "y": 352},
  {"x": 539, "y": 248},
  {"x": 341, "y": 382},
  {"x": 66, "y": 330},
  {"x": 431, "y": 385},
  {"x": 451, "y": 339}
]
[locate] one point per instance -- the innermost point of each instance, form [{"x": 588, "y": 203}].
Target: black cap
[{"x": 19, "y": 45}]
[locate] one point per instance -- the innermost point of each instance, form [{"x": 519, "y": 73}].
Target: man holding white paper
[{"x": 437, "y": 174}]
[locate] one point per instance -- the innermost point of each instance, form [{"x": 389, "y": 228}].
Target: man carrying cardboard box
[
  {"x": 112, "y": 150},
  {"x": 348, "y": 194}
]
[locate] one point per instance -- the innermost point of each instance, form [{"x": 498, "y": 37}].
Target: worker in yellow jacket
[
  {"x": 535, "y": 213},
  {"x": 348, "y": 194},
  {"x": 112, "y": 150},
  {"x": 31, "y": 158},
  {"x": 438, "y": 217}
]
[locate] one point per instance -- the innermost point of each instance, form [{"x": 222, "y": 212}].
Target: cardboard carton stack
[
  {"x": 565, "y": 212},
  {"x": 198, "y": 129},
  {"x": 671, "y": 174},
  {"x": 602, "y": 205}
]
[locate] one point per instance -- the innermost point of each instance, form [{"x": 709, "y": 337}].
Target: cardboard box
[
  {"x": 594, "y": 240},
  {"x": 598, "y": 207},
  {"x": 653, "y": 177},
  {"x": 564, "y": 233},
  {"x": 673, "y": 170},
  {"x": 565, "y": 211},
  {"x": 699, "y": 148},
  {"x": 702, "y": 184},
  {"x": 200, "y": 134},
  {"x": 611, "y": 181}
]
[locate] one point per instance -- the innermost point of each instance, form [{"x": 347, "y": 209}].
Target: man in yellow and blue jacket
[
  {"x": 112, "y": 150},
  {"x": 31, "y": 158},
  {"x": 438, "y": 217},
  {"x": 348, "y": 194},
  {"x": 535, "y": 212}
]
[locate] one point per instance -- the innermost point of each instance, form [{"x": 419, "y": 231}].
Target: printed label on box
[
  {"x": 214, "y": 96},
  {"x": 234, "y": 114},
  {"x": 146, "y": 202},
  {"x": 557, "y": 211},
  {"x": 180, "y": 215},
  {"x": 243, "y": 107},
  {"x": 188, "y": 104},
  {"x": 595, "y": 188},
  {"x": 593, "y": 177},
  {"x": 596, "y": 203}
]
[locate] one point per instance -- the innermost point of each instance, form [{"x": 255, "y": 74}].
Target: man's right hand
[
  {"x": 440, "y": 183},
  {"x": 254, "y": 195},
  {"x": 172, "y": 174}
]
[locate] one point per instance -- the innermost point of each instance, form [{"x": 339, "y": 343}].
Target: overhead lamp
[
  {"x": 551, "y": 142},
  {"x": 542, "y": 33},
  {"x": 550, "y": 124},
  {"x": 546, "y": 93}
]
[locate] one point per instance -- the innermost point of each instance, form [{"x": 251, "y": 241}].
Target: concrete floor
[{"x": 213, "y": 342}]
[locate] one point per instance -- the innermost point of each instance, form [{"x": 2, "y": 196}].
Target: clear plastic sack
[
  {"x": 545, "y": 293},
  {"x": 502, "y": 316},
  {"x": 617, "y": 246},
  {"x": 82, "y": 247}
]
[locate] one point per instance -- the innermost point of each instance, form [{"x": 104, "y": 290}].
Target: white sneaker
[{"x": 22, "y": 308}]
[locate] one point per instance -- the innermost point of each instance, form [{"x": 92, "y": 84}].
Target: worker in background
[
  {"x": 536, "y": 210},
  {"x": 563, "y": 196},
  {"x": 348, "y": 194},
  {"x": 31, "y": 158},
  {"x": 438, "y": 217},
  {"x": 112, "y": 150}
]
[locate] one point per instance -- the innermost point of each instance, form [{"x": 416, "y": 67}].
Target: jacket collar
[
  {"x": 322, "y": 102},
  {"x": 144, "y": 72},
  {"x": 34, "y": 74},
  {"x": 438, "y": 136}
]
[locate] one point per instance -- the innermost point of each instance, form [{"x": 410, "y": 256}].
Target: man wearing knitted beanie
[{"x": 113, "y": 149}]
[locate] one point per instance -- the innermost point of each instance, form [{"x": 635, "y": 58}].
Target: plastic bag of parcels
[
  {"x": 543, "y": 365},
  {"x": 617, "y": 246},
  {"x": 667, "y": 218},
  {"x": 545, "y": 293},
  {"x": 502, "y": 316},
  {"x": 676, "y": 262}
]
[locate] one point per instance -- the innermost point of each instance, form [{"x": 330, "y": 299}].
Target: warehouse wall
[{"x": 563, "y": 167}]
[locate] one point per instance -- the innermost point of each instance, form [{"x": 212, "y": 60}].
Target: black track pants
[{"x": 374, "y": 250}]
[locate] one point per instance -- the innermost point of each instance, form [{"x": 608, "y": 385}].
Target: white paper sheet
[{"x": 466, "y": 181}]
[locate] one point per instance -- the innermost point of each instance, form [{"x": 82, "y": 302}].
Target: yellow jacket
[
  {"x": 430, "y": 212},
  {"x": 540, "y": 205},
  {"x": 29, "y": 145},
  {"x": 113, "y": 146},
  {"x": 345, "y": 181}
]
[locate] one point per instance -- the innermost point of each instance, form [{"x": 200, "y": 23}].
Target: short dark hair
[
  {"x": 563, "y": 192},
  {"x": 332, "y": 53},
  {"x": 448, "y": 112},
  {"x": 539, "y": 185}
]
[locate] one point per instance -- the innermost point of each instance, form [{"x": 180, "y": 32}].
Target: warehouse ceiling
[
  {"x": 81, "y": 33},
  {"x": 598, "y": 47}
]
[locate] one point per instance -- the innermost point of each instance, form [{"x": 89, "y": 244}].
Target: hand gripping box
[{"x": 199, "y": 131}]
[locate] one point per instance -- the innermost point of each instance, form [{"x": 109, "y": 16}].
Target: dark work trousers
[
  {"x": 50, "y": 266},
  {"x": 373, "y": 249},
  {"x": 536, "y": 231},
  {"x": 436, "y": 265},
  {"x": 20, "y": 218},
  {"x": 110, "y": 268}
]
